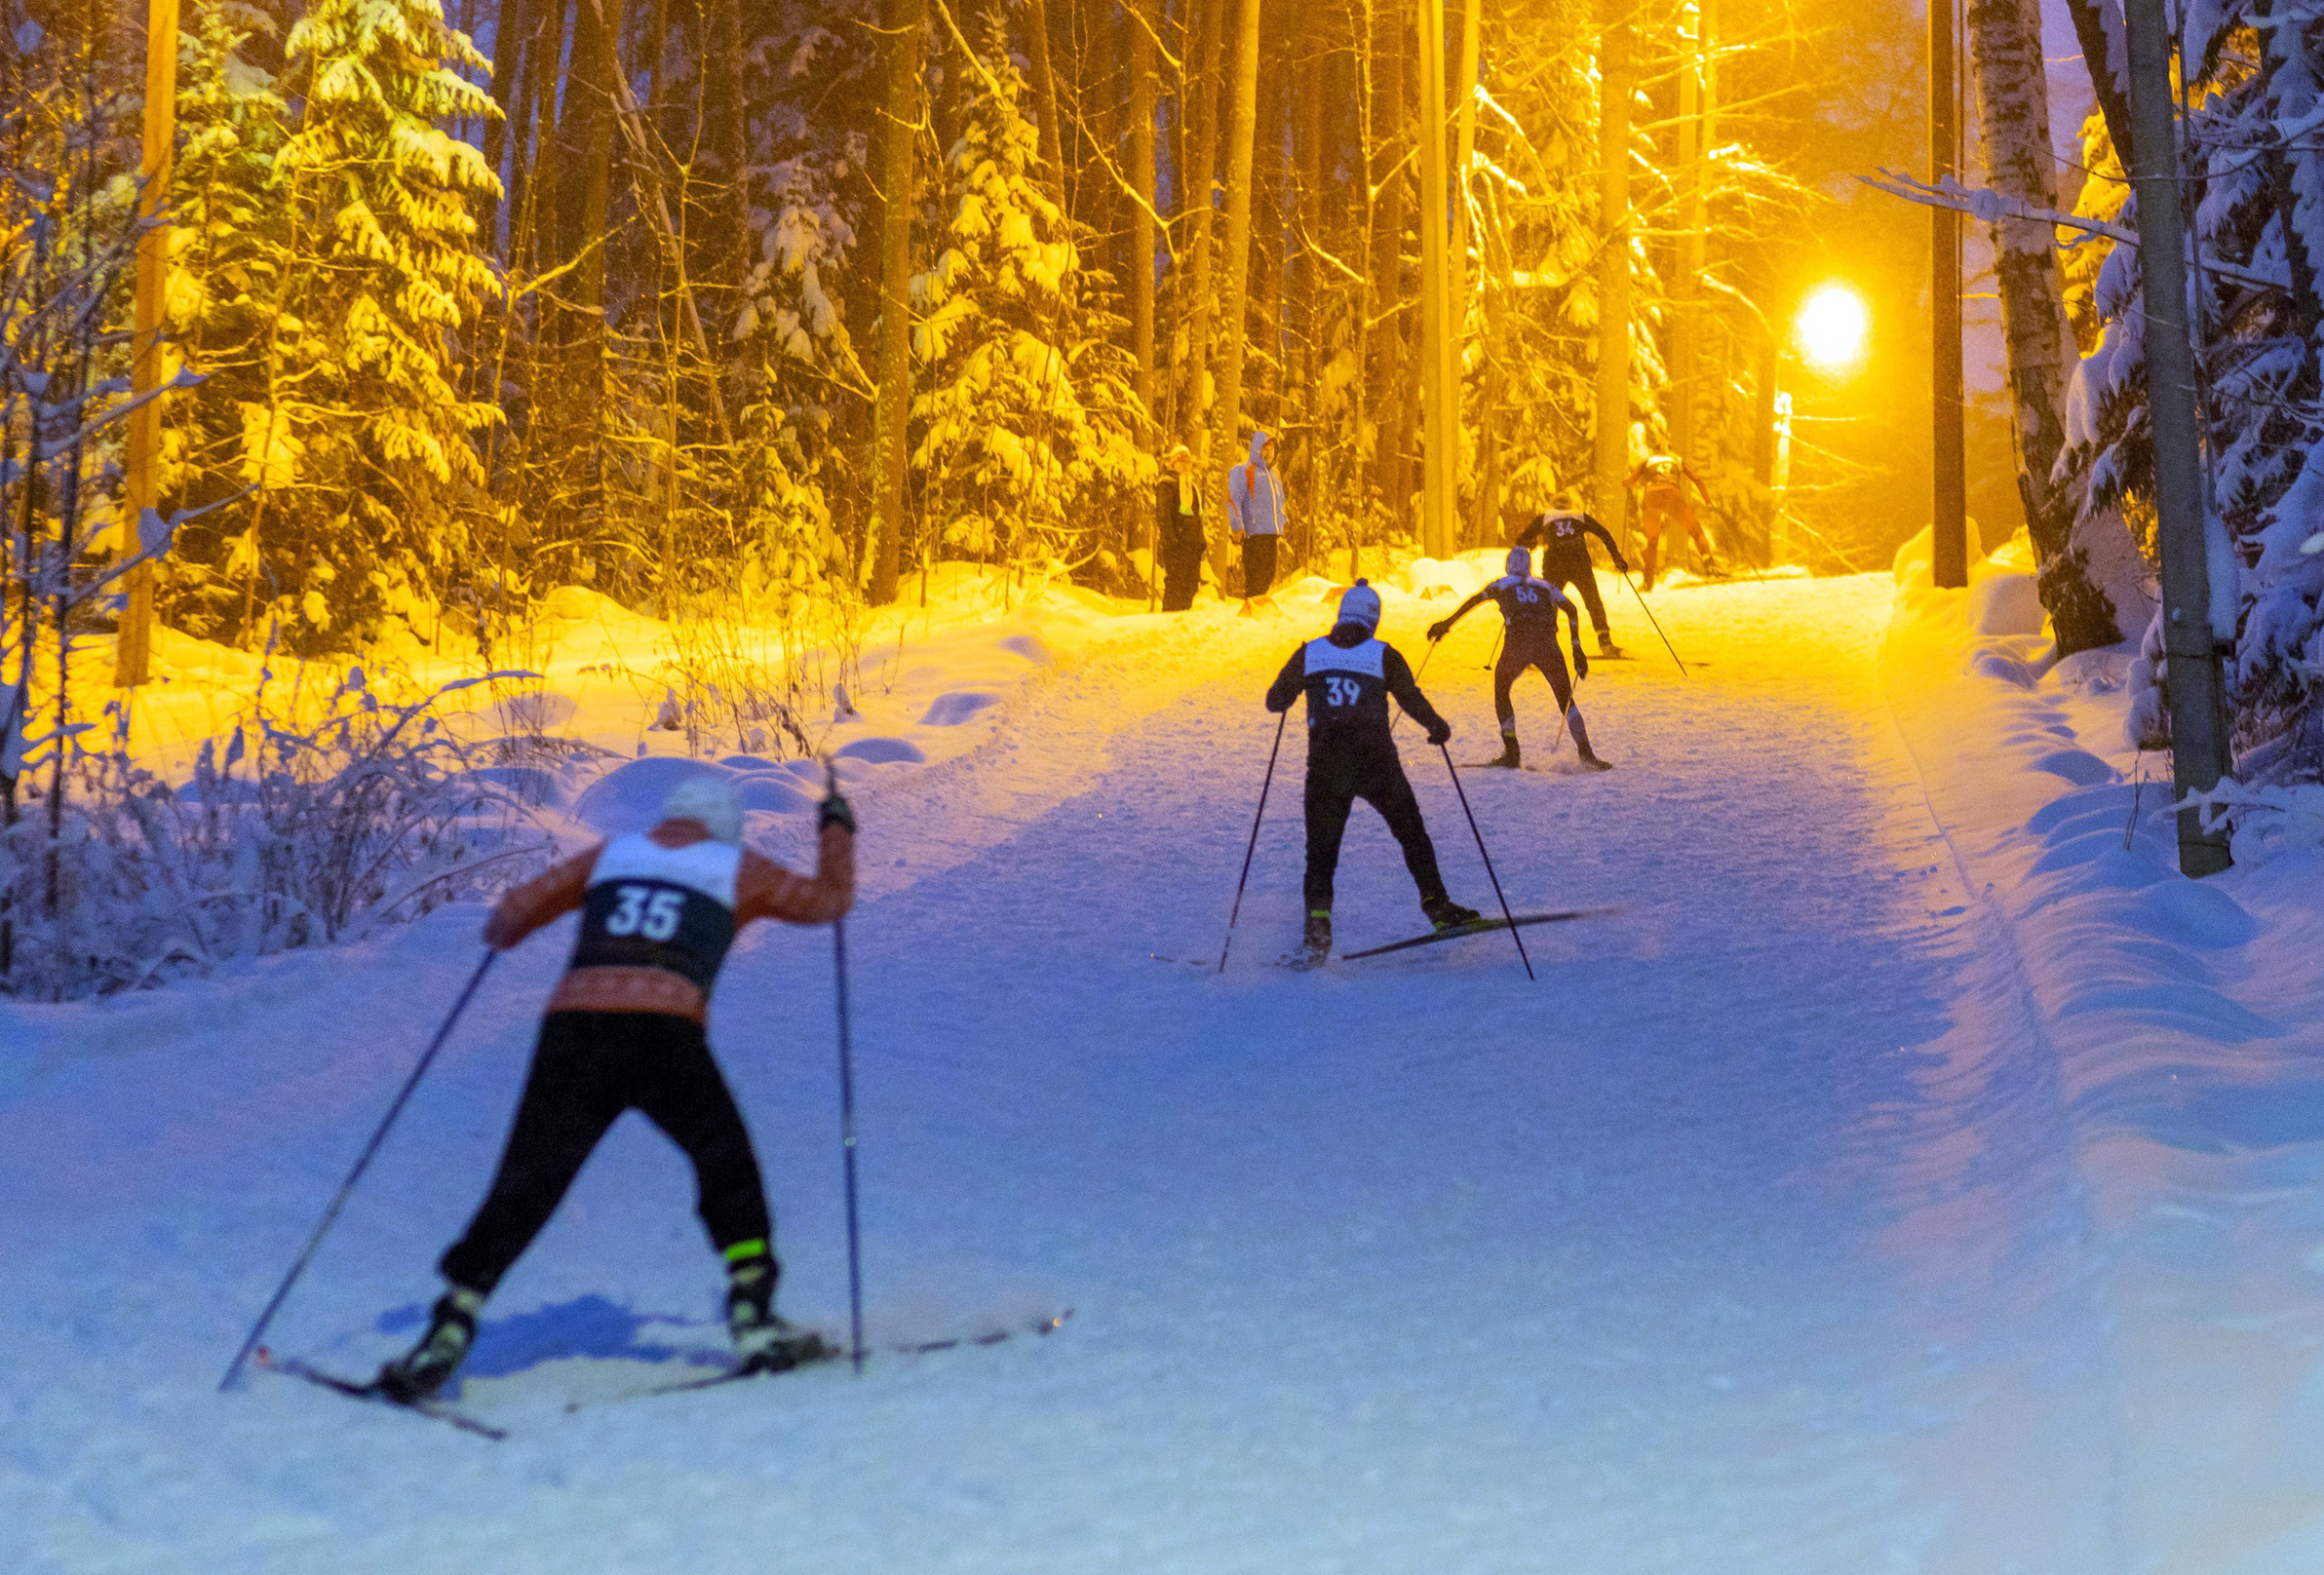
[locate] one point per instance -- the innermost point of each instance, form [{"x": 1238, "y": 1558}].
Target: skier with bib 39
[
  {"x": 1530, "y": 607},
  {"x": 624, "y": 1031},
  {"x": 1347, "y": 678}
]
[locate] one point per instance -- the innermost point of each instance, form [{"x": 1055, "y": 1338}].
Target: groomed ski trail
[{"x": 1737, "y": 1243}]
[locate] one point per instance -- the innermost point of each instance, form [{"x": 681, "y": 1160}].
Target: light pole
[{"x": 133, "y": 649}]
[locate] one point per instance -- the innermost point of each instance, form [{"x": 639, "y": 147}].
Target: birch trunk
[{"x": 2013, "y": 107}]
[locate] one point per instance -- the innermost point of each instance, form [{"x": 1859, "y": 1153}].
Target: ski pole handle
[{"x": 331, "y": 1213}]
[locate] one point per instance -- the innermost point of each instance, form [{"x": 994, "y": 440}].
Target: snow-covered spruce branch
[{"x": 1992, "y": 208}]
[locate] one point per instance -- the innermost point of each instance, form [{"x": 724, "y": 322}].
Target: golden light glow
[{"x": 1832, "y": 327}]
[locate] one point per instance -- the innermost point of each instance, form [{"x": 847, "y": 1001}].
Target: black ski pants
[
  {"x": 1581, "y": 577},
  {"x": 587, "y": 1068},
  {"x": 1522, "y": 649},
  {"x": 1340, "y": 772},
  {"x": 1182, "y": 577},
  {"x": 1258, "y": 565}
]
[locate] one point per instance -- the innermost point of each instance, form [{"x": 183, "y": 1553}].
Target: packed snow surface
[{"x": 1786, "y": 1224}]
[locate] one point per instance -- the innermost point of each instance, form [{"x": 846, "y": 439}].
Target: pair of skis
[{"x": 820, "y": 1353}]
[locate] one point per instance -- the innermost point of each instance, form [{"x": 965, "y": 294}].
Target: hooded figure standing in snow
[
  {"x": 1255, "y": 501},
  {"x": 1529, "y": 608},
  {"x": 1347, "y": 678},
  {"x": 624, "y": 1031},
  {"x": 1177, "y": 531}
]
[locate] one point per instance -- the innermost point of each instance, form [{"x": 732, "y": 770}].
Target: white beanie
[
  {"x": 708, "y": 799},
  {"x": 1521, "y": 562},
  {"x": 1361, "y": 604}
]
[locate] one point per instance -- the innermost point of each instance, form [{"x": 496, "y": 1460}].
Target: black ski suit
[
  {"x": 1564, "y": 538},
  {"x": 1529, "y": 608},
  {"x": 1347, "y": 678},
  {"x": 1178, "y": 542}
]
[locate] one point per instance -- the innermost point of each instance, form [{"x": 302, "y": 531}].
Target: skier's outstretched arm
[
  {"x": 1443, "y": 626},
  {"x": 1288, "y": 683},
  {"x": 764, "y": 890},
  {"x": 553, "y": 892},
  {"x": 1532, "y": 533},
  {"x": 1397, "y": 672},
  {"x": 1590, "y": 524}
]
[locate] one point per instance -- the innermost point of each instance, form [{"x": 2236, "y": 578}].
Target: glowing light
[{"x": 1832, "y": 327}]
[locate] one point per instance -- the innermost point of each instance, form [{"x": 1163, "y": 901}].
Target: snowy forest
[{"x": 744, "y": 316}]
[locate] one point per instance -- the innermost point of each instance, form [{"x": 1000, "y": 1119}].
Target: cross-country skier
[
  {"x": 624, "y": 1031},
  {"x": 1662, "y": 503},
  {"x": 1530, "y": 607},
  {"x": 1347, "y": 678},
  {"x": 1563, "y": 536}
]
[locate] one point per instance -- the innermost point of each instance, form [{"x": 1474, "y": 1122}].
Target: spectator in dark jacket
[{"x": 1177, "y": 531}]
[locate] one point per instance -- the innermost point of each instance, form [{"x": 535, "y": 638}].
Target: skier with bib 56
[
  {"x": 1347, "y": 678},
  {"x": 624, "y": 1031},
  {"x": 1530, "y": 607}
]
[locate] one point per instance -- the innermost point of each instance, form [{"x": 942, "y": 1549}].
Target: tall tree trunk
[
  {"x": 890, "y": 423},
  {"x": 1036, "y": 51},
  {"x": 1611, "y": 494},
  {"x": 1391, "y": 364},
  {"x": 1241, "y": 126},
  {"x": 1142, "y": 211},
  {"x": 1196, "y": 305},
  {"x": 2013, "y": 107},
  {"x": 508, "y": 51},
  {"x": 1313, "y": 79}
]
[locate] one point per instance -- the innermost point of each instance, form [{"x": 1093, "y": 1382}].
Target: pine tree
[
  {"x": 384, "y": 275},
  {"x": 1028, "y": 419}
]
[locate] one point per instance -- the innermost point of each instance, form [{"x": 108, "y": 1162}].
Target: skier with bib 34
[
  {"x": 1564, "y": 537},
  {"x": 1529, "y": 608},
  {"x": 624, "y": 1031},
  {"x": 1347, "y": 678}
]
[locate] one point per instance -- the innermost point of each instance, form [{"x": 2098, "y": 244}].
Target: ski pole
[
  {"x": 1657, "y": 623},
  {"x": 1263, "y": 786},
  {"x": 1426, "y": 658},
  {"x": 1496, "y": 649},
  {"x": 1487, "y": 857},
  {"x": 855, "y": 1258},
  {"x": 331, "y": 1213}
]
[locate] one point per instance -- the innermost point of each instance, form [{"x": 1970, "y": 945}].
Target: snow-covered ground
[{"x": 1898, "y": 1176}]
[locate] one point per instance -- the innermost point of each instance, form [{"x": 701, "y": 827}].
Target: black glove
[
  {"x": 835, "y": 811},
  {"x": 1581, "y": 664},
  {"x": 1621, "y": 564},
  {"x": 1439, "y": 630},
  {"x": 1441, "y": 731}
]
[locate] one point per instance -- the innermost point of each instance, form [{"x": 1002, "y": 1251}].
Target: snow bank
[{"x": 2183, "y": 1021}]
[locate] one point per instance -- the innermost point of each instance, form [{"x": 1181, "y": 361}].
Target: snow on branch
[{"x": 1992, "y": 208}]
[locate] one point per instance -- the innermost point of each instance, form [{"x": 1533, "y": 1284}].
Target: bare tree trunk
[
  {"x": 1312, "y": 80},
  {"x": 1141, "y": 211},
  {"x": 1195, "y": 303},
  {"x": 890, "y": 420},
  {"x": 1241, "y": 128},
  {"x": 1036, "y": 51},
  {"x": 1391, "y": 361},
  {"x": 2013, "y": 107},
  {"x": 1611, "y": 493}
]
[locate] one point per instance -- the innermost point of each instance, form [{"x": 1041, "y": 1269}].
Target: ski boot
[
  {"x": 428, "y": 1366},
  {"x": 764, "y": 1342},
  {"x": 1581, "y": 741},
  {"x": 1510, "y": 758},
  {"x": 1447, "y": 914},
  {"x": 1607, "y": 646},
  {"x": 1317, "y": 942}
]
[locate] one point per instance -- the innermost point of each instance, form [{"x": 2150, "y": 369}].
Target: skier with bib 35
[
  {"x": 624, "y": 1031},
  {"x": 1530, "y": 607},
  {"x": 1347, "y": 678}
]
